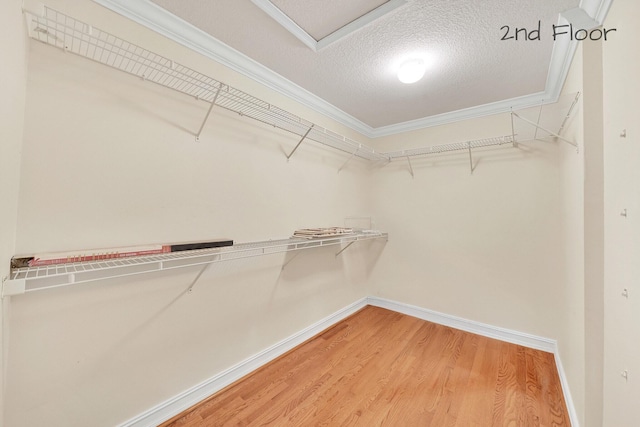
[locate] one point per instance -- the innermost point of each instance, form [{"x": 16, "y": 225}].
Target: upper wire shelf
[
  {"x": 57, "y": 29},
  {"x": 29, "y": 279}
]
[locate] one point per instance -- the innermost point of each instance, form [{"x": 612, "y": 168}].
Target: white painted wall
[
  {"x": 621, "y": 93},
  {"x": 571, "y": 343},
  {"x": 13, "y": 46},
  {"x": 484, "y": 246},
  {"x": 110, "y": 160}
]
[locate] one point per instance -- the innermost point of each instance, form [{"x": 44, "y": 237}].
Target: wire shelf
[
  {"x": 29, "y": 279},
  {"x": 57, "y": 29},
  {"x": 444, "y": 148}
]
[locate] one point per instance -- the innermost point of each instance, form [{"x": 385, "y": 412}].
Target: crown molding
[{"x": 152, "y": 16}]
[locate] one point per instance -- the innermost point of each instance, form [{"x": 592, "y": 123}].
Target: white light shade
[{"x": 411, "y": 71}]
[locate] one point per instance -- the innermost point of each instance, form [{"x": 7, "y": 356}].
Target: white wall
[
  {"x": 484, "y": 246},
  {"x": 621, "y": 92},
  {"x": 593, "y": 232},
  {"x": 110, "y": 160},
  {"x": 571, "y": 343},
  {"x": 12, "y": 101}
]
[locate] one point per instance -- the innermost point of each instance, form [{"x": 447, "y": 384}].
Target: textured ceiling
[{"x": 469, "y": 64}]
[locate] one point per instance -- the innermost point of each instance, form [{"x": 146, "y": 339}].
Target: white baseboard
[
  {"x": 573, "y": 414},
  {"x": 190, "y": 397},
  {"x": 502, "y": 334}
]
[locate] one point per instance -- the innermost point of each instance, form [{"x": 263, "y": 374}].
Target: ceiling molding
[
  {"x": 161, "y": 21},
  {"x": 290, "y": 25},
  {"x": 152, "y": 16}
]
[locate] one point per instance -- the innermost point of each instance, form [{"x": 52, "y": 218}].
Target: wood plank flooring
[{"x": 381, "y": 368}]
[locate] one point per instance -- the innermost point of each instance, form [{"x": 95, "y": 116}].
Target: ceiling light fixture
[{"x": 412, "y": 70}]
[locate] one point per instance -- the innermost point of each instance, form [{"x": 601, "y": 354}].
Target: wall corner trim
[{"x": 190, "y": 397}]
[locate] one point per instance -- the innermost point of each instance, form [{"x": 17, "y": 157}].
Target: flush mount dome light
[{"x": 411, "y": 70}]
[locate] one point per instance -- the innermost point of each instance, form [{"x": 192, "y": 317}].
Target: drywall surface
[
  {"x": 593, "y": 232},
  {"x": 13, "y": 46},
  {"x": 571, "y": 343},
  {"x": 484, "y": 246},
  {"x": 621, "y": 92},
  {"x": 111, "y": 160}
]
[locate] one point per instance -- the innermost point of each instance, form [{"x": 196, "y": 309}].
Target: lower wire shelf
[{"x": 30, "y": 279}]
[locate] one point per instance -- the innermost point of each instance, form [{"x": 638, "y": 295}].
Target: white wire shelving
[
  {"x": 31, "y": 279},
  {"x": 57, "y": 29},
  {"x": 71, "y": 35}
]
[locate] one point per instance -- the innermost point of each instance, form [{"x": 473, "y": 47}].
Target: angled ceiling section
[
  {"x": 352, "y": 79},
  {"x": 320, "y": 24}
]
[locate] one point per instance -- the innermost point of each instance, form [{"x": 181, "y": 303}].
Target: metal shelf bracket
[
  {"x": 562, "y": 138},
  {"x": 344, "y": 249},
  {"x": 193, "y": 283},
  {"x": 350, "y": 157},
  {"x": 213, "y": 103},
  {"x": 299, "y": 142},
  {"x": 410, "y": 167}
]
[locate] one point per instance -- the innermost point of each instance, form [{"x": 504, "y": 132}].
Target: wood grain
[{"x": 379, "y": 367}]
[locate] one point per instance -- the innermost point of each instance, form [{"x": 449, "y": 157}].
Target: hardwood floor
[{"x": 379, "y": 367}]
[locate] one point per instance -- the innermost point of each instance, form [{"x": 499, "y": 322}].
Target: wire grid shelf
[
  {"x": 456, "y": 146},
  {"x": 57, "y": 29},
  {"x": 51, "y": 276}
]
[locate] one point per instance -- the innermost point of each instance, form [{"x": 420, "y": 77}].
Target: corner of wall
[{"x": 12, "y": 102}]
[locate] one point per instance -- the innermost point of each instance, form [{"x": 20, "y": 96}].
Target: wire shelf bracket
[
  {"x": 213, "y": 103},
  {"x": 299, "y": 142},
  {"x": 537, "y": 126}
]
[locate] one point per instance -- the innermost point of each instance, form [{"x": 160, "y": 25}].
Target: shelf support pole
[
  {"x": 513, "y": 132},
  {"x": 410, "y": 167},
  {"x": 547, "y": 130},
  {"x": 213, "y": 103},
  {"x": 535, "y": 134},
  {"x": 300, "y": 142},
  {"x": 470, "y": 158},
  {"x": 345, "y": 248},
  {"x": 295, "y": 255},
  {"x": 350, "y": 157},
  {"x": 193, "y": 283}
]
